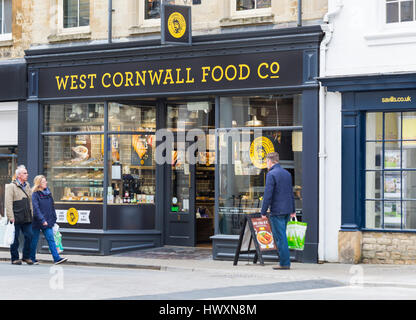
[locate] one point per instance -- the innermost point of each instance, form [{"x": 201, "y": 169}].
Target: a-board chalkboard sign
[{"x": 255, "y": 237}]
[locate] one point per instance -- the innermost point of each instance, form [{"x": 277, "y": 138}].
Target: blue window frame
[{"x": 390, "y": 170}]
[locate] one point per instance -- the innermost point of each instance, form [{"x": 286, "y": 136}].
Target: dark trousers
[
  {"x": 279, "y": 224},
  {"x": 26, "y": 228}
]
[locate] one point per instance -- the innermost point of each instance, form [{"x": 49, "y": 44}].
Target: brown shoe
[
  {"x": 281, "y": 268},
  {"x": 28, "y": 261},
  {"x": 17, "y": 262}
]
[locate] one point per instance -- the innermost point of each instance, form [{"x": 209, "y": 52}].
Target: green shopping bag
[
  {"x": 58, "y": 241},
  {"x": 295, "y": 232}
]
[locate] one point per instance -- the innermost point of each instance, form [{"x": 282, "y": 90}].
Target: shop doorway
[{"x": 190, "y": 177}]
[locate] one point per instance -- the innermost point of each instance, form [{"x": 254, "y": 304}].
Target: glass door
[
  {"x": 181, "y": 201},
  {"x": 189, "y": 123}
]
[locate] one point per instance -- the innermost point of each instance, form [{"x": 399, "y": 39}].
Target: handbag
[{"x": 296, "y": 232}]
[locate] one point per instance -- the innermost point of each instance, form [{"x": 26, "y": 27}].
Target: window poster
[
  {"x": 141, "y": 154},
  {"x": 392, "y": 159},
  {"x": 392, "y": 214},
  {"x": 392, "y": 185},
  {"x": 409, "y": 131}
]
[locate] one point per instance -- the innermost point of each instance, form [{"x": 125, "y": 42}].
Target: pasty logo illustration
[
  {"x": 176, "y": 25},
  {"x": 72, "y": 216},
  {"x": 259, "y": 149}
]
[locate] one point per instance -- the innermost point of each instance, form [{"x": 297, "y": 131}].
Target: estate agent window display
[{"x": 390, "y": 173}]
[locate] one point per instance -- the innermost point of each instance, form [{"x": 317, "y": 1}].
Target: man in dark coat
[{"x": 278, "y": 195}]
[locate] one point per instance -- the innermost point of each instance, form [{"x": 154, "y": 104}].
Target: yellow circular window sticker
[
  {"x": 72, "y": 216},
  {"x": 259, "y": 149},
  {"x": 176, "y": 25}
]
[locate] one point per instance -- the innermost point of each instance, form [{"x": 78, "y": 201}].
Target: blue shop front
[{"x": 95, "y": 114}]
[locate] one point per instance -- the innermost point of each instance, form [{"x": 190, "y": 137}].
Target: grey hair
[
  {"x": 273, "y": 156},
  {"x": 19, "y": 170}
]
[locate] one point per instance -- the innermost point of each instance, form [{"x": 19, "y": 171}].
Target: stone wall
[
  {"x": 211, "y": 16},
  {"x": 21, "y": 31},
  {"x": 389, "y": 247}
]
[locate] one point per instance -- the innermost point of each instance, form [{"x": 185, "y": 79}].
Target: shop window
[
  {"x": 132, "y": 169},
  {"x": 73, "y": 117},
  {"x": 124, "y": 117},
  {"x": 390, "y": 176},
  {"x": 73, "y": 152},
  {"x": 257, "y": 129},
  {"x": 132, "y": 163},
  {"x": 73, "y": 165},
  {"x": 76, "y": 13},
  {"x": 400, "y": 11},
  {"x": 190, "y": 115},
  {"x": 267, "y": 111},
  {"x": 6, "y": 17}
]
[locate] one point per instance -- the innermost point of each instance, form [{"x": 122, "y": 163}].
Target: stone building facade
[{"x": 128, "y": 19}]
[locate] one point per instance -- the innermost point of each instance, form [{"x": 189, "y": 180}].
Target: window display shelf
[
  {"x": 78, "y": 167},
  {"x": 100, "y": 181},
  {"x": 78, "y": 202},
  {"x": 143, "y": 167},
  {"x": 131, "y": 204},
  {"x": 76, "y": 124}
]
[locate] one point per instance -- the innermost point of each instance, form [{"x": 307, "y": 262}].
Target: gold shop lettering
[{"x": 166, "y": 77}]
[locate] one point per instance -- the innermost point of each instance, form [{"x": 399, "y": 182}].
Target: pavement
[{"x": 177, "y": 259}]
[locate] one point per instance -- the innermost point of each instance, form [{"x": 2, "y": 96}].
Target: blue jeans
[
  {"x": 26, "y": 228},
  {"x": 279, "y": 224},
  {"x": 48, "y": 233}
]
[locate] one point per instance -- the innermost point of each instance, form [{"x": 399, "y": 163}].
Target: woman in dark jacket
[{"x": 44, "y": 218}]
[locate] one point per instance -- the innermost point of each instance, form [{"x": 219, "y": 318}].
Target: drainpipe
[
  {"x": 110, "y": 20},
  {"x": 299, "y": 13},
  {"x": 328, "y": 29}
]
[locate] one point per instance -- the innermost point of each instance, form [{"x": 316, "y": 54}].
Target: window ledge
[
  {"x": 69, "y": 37},
  {"x": 136, "y": 30},
  {"x": 6, "y": 43},
  {"x": 238, "y": 21},
  {"x": 390, "y": 38}
]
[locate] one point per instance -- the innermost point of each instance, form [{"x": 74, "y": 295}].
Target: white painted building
[{"x": 369, "y": 46}]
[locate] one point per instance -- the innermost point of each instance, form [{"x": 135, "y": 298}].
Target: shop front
[
  {"x": 378, "y": 166},
  {"x": 12, "y": 98},
  {"x": 146, "y": 145}
]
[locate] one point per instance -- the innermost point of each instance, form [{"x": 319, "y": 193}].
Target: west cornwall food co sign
[{"x": 213, "y": 73}]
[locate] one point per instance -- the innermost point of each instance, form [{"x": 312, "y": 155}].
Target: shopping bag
[
  {"x": 55, "y": 228},
  {"x": 58, "y": 241},
  {"x": 3, "y": 226},
  {"x": 9, "y": 234},
  {"x": 295, "y": 233}
]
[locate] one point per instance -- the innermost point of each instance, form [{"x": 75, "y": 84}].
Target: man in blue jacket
[{"x": 278, "y": 195}]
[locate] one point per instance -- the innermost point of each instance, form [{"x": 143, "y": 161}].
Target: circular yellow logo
[
  {"x": 176, "y": 25},
  {"x": 72, "y": 216},
  {"x": 259, "y": 149}
]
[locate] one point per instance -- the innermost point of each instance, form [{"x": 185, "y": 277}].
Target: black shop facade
[{"x": 146, "y": 145}]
